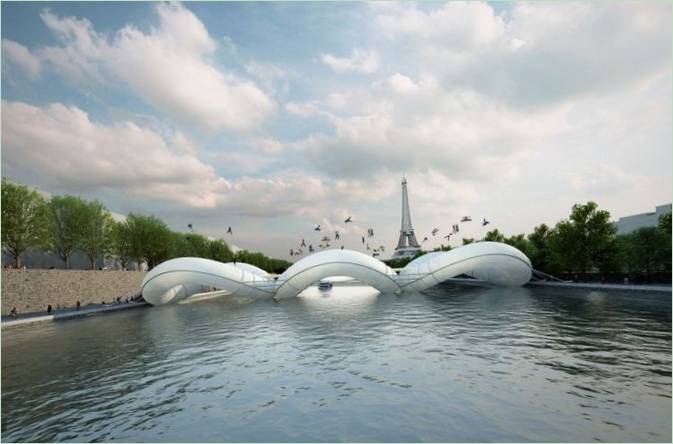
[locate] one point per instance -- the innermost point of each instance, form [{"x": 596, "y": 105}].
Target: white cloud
[
  {"x": 20, "y": 55},
  {"x": 169, "y": 67},
  {"x": 457, "y": 26},
  {"x": 536, "y": 53},
  {"x": 272, "y": 77},
  {"x": 398, "y": 83},
  {"x": 267, "y": 145},
  {"x": 302, "y": 109},
  {"x": 62, "y": 147},
  {"x": 359, "y": 61}
]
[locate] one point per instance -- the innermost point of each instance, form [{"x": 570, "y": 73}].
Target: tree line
[
  {"x": 66, "y": 224},
  {"x": 587, "y": 242}
]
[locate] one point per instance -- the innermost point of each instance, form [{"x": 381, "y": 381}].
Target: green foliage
[
  {"x": 150, "y": 240},
  {"x": 220, "y": 251},
  {"x": 25, "y": 220},
  {"x": 494, "y": 236},
  {"x": 467, "y": 241},
  {"x": 520, "y": 242},
  {"x": 68, "y": 221},
  {"x": 665, "y": 223},
  {"x": 540, "y": 253},
  {"x": 665, "y": 245},
  {"x": 260, "y": 260},
  {"x": 96, "y": 237},
  {"x": 402, "y": 262},
  {"x": 189, "y": 245},
  {"x": 586, "y": 240},
  {"x": 646, "y": 250},
  {"x": 120, "y": 243}
]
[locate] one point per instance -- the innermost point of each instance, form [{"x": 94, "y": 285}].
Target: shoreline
[{"x": 35, "y": 317}]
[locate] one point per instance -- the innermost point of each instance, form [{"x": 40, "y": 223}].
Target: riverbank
[
  {"x": 69, "y": 313},
  {"x": 607, "y": 287},
  {"x": 33, "y": 290}
]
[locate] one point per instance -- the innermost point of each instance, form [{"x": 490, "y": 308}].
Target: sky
[{"x": 271, "y": 118}]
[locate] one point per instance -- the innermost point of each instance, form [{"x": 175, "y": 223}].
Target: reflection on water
[{"x": 452, "y": 364}]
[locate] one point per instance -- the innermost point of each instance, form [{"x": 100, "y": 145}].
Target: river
[{"x": 451, "y": 364}]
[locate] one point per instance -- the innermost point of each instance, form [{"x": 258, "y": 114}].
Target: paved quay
[
  {"x": 598, "y": 286},
  {"x": 30, "y": 318}
]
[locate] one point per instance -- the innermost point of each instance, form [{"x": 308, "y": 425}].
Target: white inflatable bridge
[{"x": 492, "y": 262}]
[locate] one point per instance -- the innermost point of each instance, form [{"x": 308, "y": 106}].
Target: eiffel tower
[{"x": 407, "y": 245}]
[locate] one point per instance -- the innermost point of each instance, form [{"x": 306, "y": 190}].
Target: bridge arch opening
[{"x": 330, "y": 263}]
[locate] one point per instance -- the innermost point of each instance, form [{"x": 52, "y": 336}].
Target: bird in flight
[
  {"x": 229, "y": 231},
  {"x": 485, "y": 222},
  {"x": 466, "y": 219},
  {"x": 317, "y": 228},
  {"x": 424, "y": 239},
  {"x": 349, "y": 219},
  {"x": 435, "y": 231}
]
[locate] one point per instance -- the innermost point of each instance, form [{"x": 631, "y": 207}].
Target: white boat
[{"x": 324, "y": 286}]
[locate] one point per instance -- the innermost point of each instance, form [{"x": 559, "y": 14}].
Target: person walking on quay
[
  {"x": 13, "y": 312},
  {"x": 49, "y": 309},
  {"x": 78, "y": 304}
]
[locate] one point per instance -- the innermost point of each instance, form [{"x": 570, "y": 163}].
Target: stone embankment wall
[{"x": 33, "y": 290}]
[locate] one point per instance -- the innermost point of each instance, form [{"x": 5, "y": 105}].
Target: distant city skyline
[{"x": 274, "y": 117}]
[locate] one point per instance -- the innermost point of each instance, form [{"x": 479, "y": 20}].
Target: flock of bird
[
  {"x": 325, "y": 241},
  {"x": 455, "y": 228}
]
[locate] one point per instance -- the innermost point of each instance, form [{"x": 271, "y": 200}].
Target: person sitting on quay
[
  {"x": 78, "y": 305},
  {"x": 13, "y": 313},
  {"x": 49, "y": 309}
]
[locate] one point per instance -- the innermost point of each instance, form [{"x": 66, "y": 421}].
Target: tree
[
  {"x": 149, "y": 239},
  {"x": 96, "y": 231},
  {"x": 664, "y": 223},
  {"x": 586, "y": 240},
  {"x": 68, "y": 219},
  {"x": 520, "y": 242},
  {"x": 219, "y": 251},
  {"x": 25, "y": 220},
  {"x": 665, "y": 250},
  {"x": 468, "y": 241},
  {"x": 540, "y": 252},
  {"x": 642, "y": 250},
  {"x": 494, "y": 236},
  {"x": 120, "y": 243},
  {"x": 189, "y": 245}
]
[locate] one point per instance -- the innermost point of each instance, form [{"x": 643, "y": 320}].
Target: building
[
  {"x": 628, "y": 224},
  {"x": 407, "y": 246}
]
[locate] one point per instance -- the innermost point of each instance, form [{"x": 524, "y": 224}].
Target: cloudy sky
[{"x": 273, "y": 117}]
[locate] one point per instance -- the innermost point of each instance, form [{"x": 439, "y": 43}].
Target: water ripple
[{"x": 452, "y": 364}]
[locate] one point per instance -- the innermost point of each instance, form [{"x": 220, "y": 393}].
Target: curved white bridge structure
[{"x": 492, "y": 262}]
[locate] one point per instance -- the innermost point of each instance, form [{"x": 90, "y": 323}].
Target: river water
[{"x": 452, "y": 364}]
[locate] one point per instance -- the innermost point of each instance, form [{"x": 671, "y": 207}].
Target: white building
[{"x": 628, "y": 224}]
